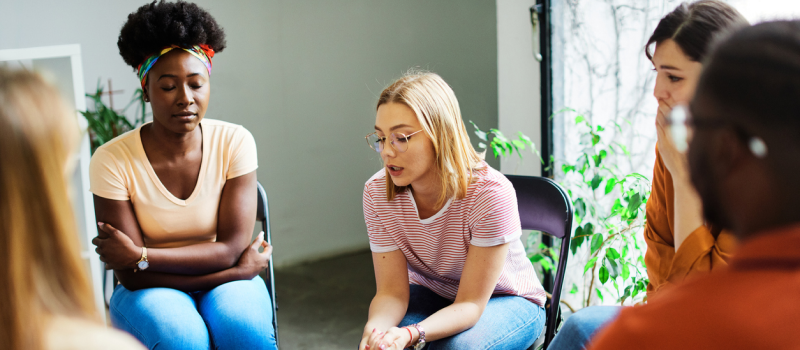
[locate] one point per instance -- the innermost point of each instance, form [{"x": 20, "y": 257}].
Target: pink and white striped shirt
[{"x": 436, "y": 247}]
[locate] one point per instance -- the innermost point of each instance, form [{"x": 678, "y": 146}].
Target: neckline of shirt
[
  {"x": 154, "y": 177},
  {"x": 432, "y": 218}
]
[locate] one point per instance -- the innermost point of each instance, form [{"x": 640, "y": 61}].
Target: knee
[
  {"x": 586, "y": 321},
  {"x": 159, "y": 318},
  {"x": 180, "y": 334}
]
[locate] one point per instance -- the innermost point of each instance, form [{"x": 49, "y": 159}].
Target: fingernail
[
  {"x": 383, "y": 347},
  {"x": 366, "y": 347},
  {"x": 100, "y": 223}
]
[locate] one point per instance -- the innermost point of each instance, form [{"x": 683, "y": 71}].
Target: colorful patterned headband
[{"x": 202, "y": 52}]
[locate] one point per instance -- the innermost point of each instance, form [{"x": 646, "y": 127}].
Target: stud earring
[{"x": 758, "y": 147}]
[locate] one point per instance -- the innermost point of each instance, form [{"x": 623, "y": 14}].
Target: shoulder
[
  {"x": 489, "y": 183},
  {"x": 376, "y": 185},
  {"x": 121, "y": 144},
  {"x": 225, "y": 129},
  {"x": 120, "y": 149},
  {"x": 698, "y": 300}
]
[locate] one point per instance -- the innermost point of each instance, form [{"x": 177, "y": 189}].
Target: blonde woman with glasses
[
  {"x": 45, "y": 299},
  {"x": 444, "y": 232}
]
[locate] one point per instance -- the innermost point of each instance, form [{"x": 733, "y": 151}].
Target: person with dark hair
[
  {"x": 679, "y": 243},
  {"x": 175, "y": 199},
  {"x": 744, "y": 157}
]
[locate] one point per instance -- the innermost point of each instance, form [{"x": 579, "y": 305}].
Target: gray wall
[
  {"x": 303, "y": 77},
  {"x": 519, "y": 101}
]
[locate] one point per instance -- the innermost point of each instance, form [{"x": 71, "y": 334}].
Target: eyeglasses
[
  {"x": 398, "y": 141},
  {"x": 681, "y": 123}
]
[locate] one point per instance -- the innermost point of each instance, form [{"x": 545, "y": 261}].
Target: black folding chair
[
  {"x": 545, "y": 206},
  {"x": 262, "y": 215}
]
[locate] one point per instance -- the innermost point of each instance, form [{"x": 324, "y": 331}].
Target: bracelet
[
  {"x": 411, "y": 337},
  {"x": 421, "y": 340}
]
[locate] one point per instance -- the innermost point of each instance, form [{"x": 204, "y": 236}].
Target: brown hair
[
  {"x": 436, "y": 107},
  {"x": 693, "y": 26},
  {"x": 41, "y": 273}
]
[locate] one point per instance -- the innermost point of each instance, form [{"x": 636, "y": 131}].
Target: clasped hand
[
  {"x": 115, "y": 248},
  {"x": 393, "y": 339}
]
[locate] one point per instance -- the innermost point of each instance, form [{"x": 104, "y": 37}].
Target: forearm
[
  {"x": 385, "y": 311},
  {"x": 195, "y": 259},
  {"x": 688, "y": 210},
  {"x": 451, "y": 320},
  {"x": 151, "y": 279}
]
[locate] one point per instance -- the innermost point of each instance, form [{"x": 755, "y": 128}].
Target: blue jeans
[
  {"x": 582, "y": 325},
  {"x": 508, "y": 322},
  {"x": 234, "y": 315}
]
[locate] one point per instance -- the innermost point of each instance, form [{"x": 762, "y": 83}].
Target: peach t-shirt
[{"x": 120, "y": 170}]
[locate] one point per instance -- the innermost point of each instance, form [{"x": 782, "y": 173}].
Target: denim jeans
[
  {"x": 582, "y": 325},
  {"x": 507, "y": 322},
  {"x": 234, "y": 315}
]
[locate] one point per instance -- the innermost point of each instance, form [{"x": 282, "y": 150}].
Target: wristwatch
[
  {"x": 421, "y": 341},
  {"x": 142, "y": 264}
]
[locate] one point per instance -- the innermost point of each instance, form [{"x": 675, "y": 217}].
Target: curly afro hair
[{"x": 160, "y": 24}]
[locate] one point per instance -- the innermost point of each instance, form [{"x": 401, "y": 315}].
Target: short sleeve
[
  {"x": 106, "y": 178},
  {"x": 379, "y": 240},
  {"x": 494, "y": 219},
  {"x": 243, "y": 154}
]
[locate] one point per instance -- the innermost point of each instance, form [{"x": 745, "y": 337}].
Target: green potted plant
[{"x": 105, "y": 123}]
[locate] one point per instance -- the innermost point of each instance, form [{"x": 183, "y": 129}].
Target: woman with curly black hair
[{"x": 175, "y": 198}]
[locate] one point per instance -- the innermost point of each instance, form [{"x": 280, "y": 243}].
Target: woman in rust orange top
[{"x": 679, "y": 243}]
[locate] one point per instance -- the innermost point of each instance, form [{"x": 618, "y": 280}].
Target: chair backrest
[
  {"x": 262, "y": 215},
  {"x": 545, "y": 206}
]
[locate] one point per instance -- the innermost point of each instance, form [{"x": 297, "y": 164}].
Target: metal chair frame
[
  {"x": 545, "y": 206},
  {"x": 262, "y": 215}
]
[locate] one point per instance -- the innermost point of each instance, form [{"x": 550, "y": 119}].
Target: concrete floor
[{"x": 324, "y": 304}]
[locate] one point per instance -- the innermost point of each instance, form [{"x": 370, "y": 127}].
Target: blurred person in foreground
[
  {"x": 743, "y": 133},
  {"x": 45, "y": 298}
]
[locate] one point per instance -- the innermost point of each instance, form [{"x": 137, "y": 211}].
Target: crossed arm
[
  {"x": 193, "y": 267},
  {"x": 478, "y": 279}
]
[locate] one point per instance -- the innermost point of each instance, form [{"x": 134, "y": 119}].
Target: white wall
[
  {"x": 518, "y": 82},
  {"x": 303, "y": 77}
]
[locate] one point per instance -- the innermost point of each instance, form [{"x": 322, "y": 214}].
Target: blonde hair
[
  {"x": 41, "y": 273},
  {"x": 436, "y": 107}
]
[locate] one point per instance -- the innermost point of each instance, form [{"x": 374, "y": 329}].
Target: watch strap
[
  {"x": 421, "y": 341},
  {"x": 143, "y": 258}
]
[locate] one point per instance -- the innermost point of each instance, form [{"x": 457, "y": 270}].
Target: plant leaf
[
  {"x": 589, "y": 264},
  {"x": 596, "y": 181},
  {"x": 597, "y": 242},
  {"x": 612, "y": 267},
  {"x": 603, "y": 275},
  {"x": 626, "y": 271},
  {"x": 610, "y": 184}
]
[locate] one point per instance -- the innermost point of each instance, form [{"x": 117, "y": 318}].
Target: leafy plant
[
  {"x": 502, "y": 146},
  {"x": 105, "y": 123},
  {"x": 609, "y": 213}
]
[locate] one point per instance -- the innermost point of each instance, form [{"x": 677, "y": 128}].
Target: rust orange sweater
[
  {"x": 751, "y": 304},
  {"x": 703, "y": 250}
]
